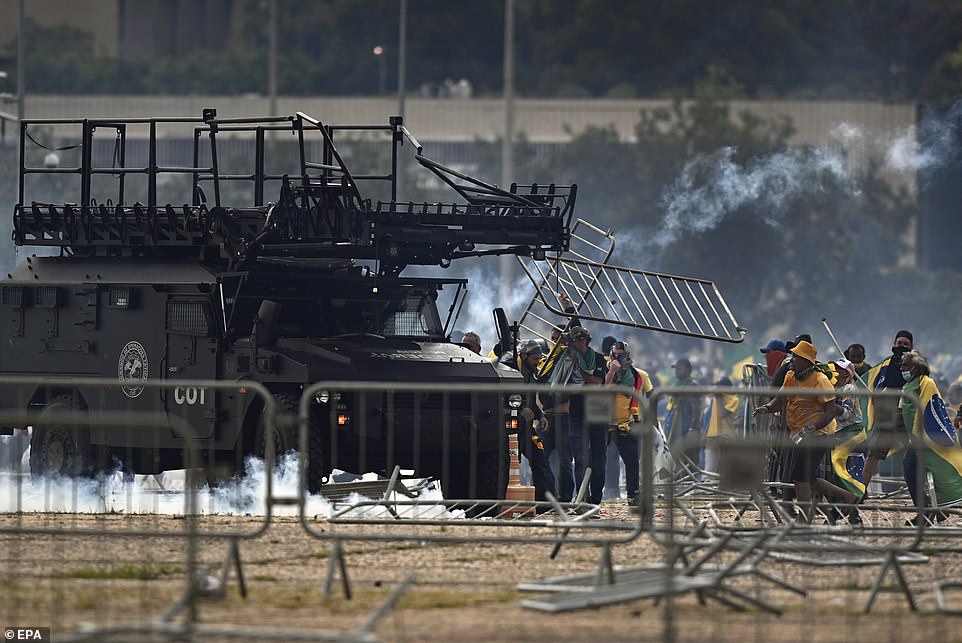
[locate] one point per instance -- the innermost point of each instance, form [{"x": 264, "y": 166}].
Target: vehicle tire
[
  {"x": 492, "y": 476},
  {"x": 317, "y": 473},
  {"x": 493, "y": 466},
  {"x": 285, "y": 437},
  {"x": 59, "y": 449},
  {"x": 286, "y": 440}
]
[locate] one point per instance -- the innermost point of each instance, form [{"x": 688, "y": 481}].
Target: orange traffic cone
[{"x": 516, "y": 490}]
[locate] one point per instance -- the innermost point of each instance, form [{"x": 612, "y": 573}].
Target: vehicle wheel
[
  {"x": 492, "y": 476},
  {"x": 285, "y": 437},
  {"x": 286, "y": 440},
  {"x": 59, "y": 449},
  {"x": 317, "y": 473},
  {"x": 493, "y": 468}
]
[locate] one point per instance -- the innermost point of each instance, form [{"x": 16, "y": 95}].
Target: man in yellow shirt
[{"x": 809, "y": 415}]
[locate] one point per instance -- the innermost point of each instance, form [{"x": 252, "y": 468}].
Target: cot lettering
[{"x": 190, "y": 395}]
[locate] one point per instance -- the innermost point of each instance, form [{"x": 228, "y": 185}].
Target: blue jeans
[
  {"x": 579, "y": 448},
  {"x": 556, "y": 438},
  {"x": 589, "y": 447}
]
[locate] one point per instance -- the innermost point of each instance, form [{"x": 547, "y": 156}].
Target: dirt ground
[{"x": 112, "y": 575}]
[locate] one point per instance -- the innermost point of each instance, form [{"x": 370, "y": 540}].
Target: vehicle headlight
[
  {"x": 323, "y": 397},
  {"x": 514, "y": 401}
]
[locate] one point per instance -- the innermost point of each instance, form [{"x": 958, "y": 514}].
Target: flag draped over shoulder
[
  {"x": 874, "y": 379},
  {"x": 931, "y": 426},
  {"x": 851, "y": 449}
]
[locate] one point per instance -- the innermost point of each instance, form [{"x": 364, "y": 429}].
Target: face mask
[{"x": 906, "y": 375}]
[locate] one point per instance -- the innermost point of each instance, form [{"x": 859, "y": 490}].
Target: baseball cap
[
  {"x": 774, "y": 345},
  {"x": 846, "y": 365},
  {"x": 579, "y": 333},
  {"x": 531, "y": 346}
]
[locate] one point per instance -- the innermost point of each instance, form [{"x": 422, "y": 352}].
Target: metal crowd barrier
[
  {"x": 719, "y": 553},
  {"x": 109, "y": 556},
  {"x": 729, "y": 540},
  {"x": 427, "y": 517}
]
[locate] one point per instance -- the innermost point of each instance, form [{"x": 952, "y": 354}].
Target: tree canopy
[{"x": 834, "y": 49}]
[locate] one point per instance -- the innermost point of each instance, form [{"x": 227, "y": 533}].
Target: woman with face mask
[{"x": 933, "y": 442}]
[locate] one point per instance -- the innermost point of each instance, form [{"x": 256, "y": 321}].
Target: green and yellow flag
[
  {"x": 851, "y": 449},
  {"x": 933, "y": 428}
]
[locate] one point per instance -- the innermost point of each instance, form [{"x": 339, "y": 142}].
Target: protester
[
  {"x": 622, "y": 373},
  {"x": 929, "y": 431},
  {"x": 720, "y": 424},
  {"x": 557, "y": 407},
  {"x": 684, "y": 412},
  {"x": 530, "y": 443},
  {"x": 855, "y": 353},
  {"x": 809, "y": 418},
  {"x": 849, "y": 452},
  {"x": 885, "y": 428},
  {"x": 580, "y": 365},
  {"x": 775, "y": 354}
]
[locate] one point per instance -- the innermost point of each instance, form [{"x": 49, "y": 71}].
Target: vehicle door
[{"x": 191, "y": 355}]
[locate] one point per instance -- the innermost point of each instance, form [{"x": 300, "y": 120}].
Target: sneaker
[{"x": 855, "y": 518}]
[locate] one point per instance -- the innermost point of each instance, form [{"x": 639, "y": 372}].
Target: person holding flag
[
  {"x": 931, "y": 433},
  {"x": 848, "y": 454},
  {"x": 883, "y": 422}
]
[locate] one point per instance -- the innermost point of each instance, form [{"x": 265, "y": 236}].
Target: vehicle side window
[{"x": 189, "y": 317}]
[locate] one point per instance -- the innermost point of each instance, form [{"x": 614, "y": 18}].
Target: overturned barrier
[
  {"x": 705, "y": 520},
  {"x": 718, "y": 553},
  {"x": 98, "y": 553}
]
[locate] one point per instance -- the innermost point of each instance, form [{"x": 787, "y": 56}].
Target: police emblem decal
[{"x": 132, "y": 368}]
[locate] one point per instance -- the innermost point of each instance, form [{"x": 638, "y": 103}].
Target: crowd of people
[{"x": 836, "y": 434}]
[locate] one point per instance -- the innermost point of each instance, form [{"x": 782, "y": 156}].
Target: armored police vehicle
[{"x": 284, "y": 272}]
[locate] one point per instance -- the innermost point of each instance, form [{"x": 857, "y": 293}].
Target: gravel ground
[{"x": 459, "y": 591}]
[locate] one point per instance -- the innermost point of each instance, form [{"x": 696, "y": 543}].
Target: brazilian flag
[
  {"x": 932, "y": 427},
  {"x": 874, "y": 380},
  {"x": 850, "y": 451}
]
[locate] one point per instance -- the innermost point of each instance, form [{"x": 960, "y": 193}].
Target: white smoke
[
  {"x": 939, "y": 134},
  {"x": 711, "y": 187},
  {"x": 484, "y": 295},
  {"x": 164, "y": 493}
]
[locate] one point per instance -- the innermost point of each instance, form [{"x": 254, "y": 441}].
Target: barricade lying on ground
[{"x": 725, "y": 538}]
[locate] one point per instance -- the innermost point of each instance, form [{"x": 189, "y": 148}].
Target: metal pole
[
  {"x": 402, "y": 53},
  {"x": 272, "y": 56},
  {"x": 381, "y": 75},
  {"x": 506, "y": 262},
  {"x": 839, "y": 347},
  {"x": 21, "y": 68}
]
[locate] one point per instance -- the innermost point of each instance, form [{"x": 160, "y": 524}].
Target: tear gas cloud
[
  {"x": 712, "y": 186},
  {"x": 164, "y": 493}
]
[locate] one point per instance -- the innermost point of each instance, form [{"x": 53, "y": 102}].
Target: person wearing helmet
[
  {"x": 580, "y": 365},
  {"x": 530, "y": 442}
]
